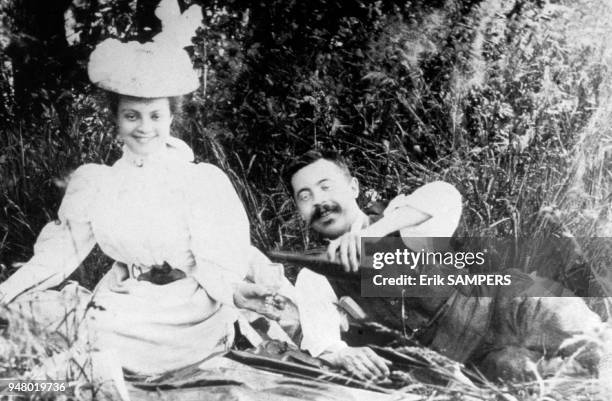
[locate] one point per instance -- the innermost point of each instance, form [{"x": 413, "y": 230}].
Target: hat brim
[{"x": 146, "y": 70}]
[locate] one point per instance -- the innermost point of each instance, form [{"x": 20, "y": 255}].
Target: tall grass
[
  {"x": 512, "y": 109},
  {"x": 36, "y": 164}
]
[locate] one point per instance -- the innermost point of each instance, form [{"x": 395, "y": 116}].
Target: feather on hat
[{"x": 160, "y": 68}]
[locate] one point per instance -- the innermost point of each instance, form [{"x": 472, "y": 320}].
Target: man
[
  {"x": 498, "y": 333},
  {"x": 326, "y": 196}
]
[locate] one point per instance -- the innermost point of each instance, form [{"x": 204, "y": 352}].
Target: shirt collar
[
  {"x": 137, "y": 160},
  {"x": 174, "y": 150}
]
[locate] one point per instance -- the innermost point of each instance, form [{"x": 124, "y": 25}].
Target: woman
[{"x": 177, "y": 231}]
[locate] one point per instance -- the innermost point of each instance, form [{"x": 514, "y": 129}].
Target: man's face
[{"x": 326, "y": 197}]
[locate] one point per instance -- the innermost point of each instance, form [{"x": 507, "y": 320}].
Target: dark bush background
[{"x": 507, "y": 100}]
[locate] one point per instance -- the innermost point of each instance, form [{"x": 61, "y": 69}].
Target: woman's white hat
[{"x": 160, "y": 68}]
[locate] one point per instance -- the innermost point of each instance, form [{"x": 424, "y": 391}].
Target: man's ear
[{"x": 354, "y": 184}]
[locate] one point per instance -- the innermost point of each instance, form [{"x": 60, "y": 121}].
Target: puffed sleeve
[
  {"x": 180, "y": 149},
  {"x": 62, "y": 244},
  {"x": 438, "y": 199},
  {"x": 220, "y": 238}
]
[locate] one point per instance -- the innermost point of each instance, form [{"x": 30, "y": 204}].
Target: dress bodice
[
  {"x": 147, "y": 211},
  {"x": 140, "y": 214}
]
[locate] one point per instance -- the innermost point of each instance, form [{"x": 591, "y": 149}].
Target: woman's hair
[{"x": 112, "y": 99}]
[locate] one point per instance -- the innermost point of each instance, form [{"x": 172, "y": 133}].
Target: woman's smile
[{"x": 144, "y": 138}]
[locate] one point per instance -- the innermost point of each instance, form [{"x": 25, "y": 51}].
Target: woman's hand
[{"x": 259, "y": 298}]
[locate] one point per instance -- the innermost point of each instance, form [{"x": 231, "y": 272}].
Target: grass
[
  {"x": 522, "y": 129},
  {"x": 27, "y": 348}
]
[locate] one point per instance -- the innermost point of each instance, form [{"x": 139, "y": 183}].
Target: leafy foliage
[
  {"x": 508, "y": 100},
  {"x": 488, "y": 95}
]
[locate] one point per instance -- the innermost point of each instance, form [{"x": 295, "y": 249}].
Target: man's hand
[
  {"x": 260, "y": 299},
  {"x": 360, "y": 361},
  {"x": 346, "y": 250}
]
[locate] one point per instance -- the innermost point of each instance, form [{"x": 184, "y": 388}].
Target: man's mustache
[{"x": 319, "y": 210}]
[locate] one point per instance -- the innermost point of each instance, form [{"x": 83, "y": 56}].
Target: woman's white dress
[{"x": 144, "y": 212}]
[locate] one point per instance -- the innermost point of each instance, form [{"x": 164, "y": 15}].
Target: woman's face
[{"x": 143, "y": 124}]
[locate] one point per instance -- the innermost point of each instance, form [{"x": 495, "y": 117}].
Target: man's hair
[{"x": 310, "y": 157}]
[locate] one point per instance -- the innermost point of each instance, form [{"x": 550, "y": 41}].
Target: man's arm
[
  {"x": 433, "y": 210},
  {"x": 321, "y": 326},
  {"x": 395, "y": 220},
  {"x": 346, "y": 249}
]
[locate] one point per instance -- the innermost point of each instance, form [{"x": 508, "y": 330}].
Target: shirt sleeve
[
  {"x": 62, "y": 244},
  {"x": 438, "y": 199},
  {"x": 320, "y": 318},
  {"x": 220, "y": 238}
]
